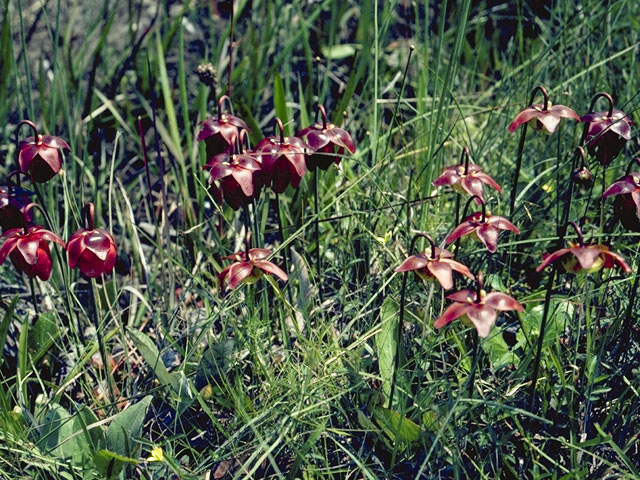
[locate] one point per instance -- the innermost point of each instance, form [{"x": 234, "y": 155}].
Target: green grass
[{"x": 265, "y": 381}]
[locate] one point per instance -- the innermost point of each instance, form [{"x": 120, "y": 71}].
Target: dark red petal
[
  {"x": 502, "y": 301},
  {"x": 25, "y": 157},
  {"x": 43, "y": 266},
  {"x": 483, "y": 317},
  {"x": 28, "y": 248},
  {"x": 218, "y": 170},
  {"x": 55, "y": 142},
  {"x": 99, "y": 242},
  {"x": 443, "y": 273},
  {"x": 47, "y": 235},
  {"x": 245, "y": 180},
  {"x": 271, "y": 268},
  {"x": 502, "y": 223},
  {"x": 342, "y": 138},
  {"x": 447, "y": 177},
  {"x": 619, "y": 260},
  {"x": 473, "y": 186},
  {"x": 450, "y": 314},
  {"x": 635, "y": 196},
  {"x": 618, "y": 188},
  {"x": 523, "y": 117},
  {"x": 462, "y": 296},
  {"x": 488, "y": 234},
  {"x": 459, "y": 267},
  {"x": 586, "y": 255},
  {"x": 622, "y": 128},
  {"x": 317, "y": 140},
  {"x": 8, "y": 246},
  {"x": 564, "y": 111},
  {"x": 488, "y": 180},
  {"x": 258, "y": 254},
  {"x": 414, "y": 262},
  {"x": 75, "y": 247},
  {"x": 548, "y": 259},
  {"x": 238, "y": 272},
  {"x": 464, "y": 228}
]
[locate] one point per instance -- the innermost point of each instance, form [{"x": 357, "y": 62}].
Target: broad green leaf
[
  {"x": 498, "y": 350},
  {"x": 150, "y": 353},
  {"x": 55, "y": 431},
  {"x": 386, "y": 343},
  {"x": 338, "y": 52},
  {"x": 430, "y": 421},
  {"x": 280, "y": 104},
  {"x": 86, "y": 440},
  {"x": 215, "y": 361},
  {"x": 110, "y": 464},
  {"x": 560, "y": 313},
  {"x": 398, "y": 427},
  {"x": 125, "y": 426}
]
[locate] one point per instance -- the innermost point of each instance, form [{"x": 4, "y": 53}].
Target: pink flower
[
  {"x": 467, "y": 178},
  {"x": 39, "y": 155},
  {"x": 477, "y": 308},
  {"x": 483, "y": 227},
  {"x": 435, "y": 263},
  {"x": 543, "y": 115},
  {"x": 249, "y": 270},
  {"x": 627, "y": 204},
  {"x": 606, "y": 132},
  {"x": 92, "y": 250},
  {"x": 221, "y": 132},
  {"x": 29, "y": 251}
]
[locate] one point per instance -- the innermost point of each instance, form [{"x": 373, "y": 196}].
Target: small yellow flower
[{"x": 156, "y": 455}]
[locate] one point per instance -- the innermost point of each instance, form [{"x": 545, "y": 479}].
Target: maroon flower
[
  {"x": 327, "y": 142},
  {"x": 606, "y": 133},
  {"x": 466, "y": 178},
  {"x": 484, "y": 227},
  {"x": 282, "y": 159},
  {"x": 92, "y": 250},
  {"x": 542, "y": 116},
  {"x": 238, "y": 175},
  {"x": 13, "y": 200},
  {"x": 221, "y": 132},
  {"x": 477, "y": 308},
  {"x": 627, "y": 204},
  {"x": 435, "y": 263},
  {"x": 39, "y": 155},
  {"x": 581, "y": 258},
  {"x": 249, "y": 270},
  {"x": 29, "y": 251}
]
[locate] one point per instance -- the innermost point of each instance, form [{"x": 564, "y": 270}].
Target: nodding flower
[
  {"x": 220, "y": 132},
  {"x": 606, "y": 132},
  {"x": 29, "y": 251},
  {"x": 248, "y": 267},
  {"x": 238, "y": 173},
  {"x": 282, "y": 159},
  {"x": 92, "y": 250},
  {"x": 39, "y": 156},
  {"x": 581, "y": 258},
  {"x": 327, "y": 142},
  {"x": 466, "y": 178},
  {"x": 13, "y": 201},
  {"x": 482, "y": 226},
  {"x": 627, "y": 202},
  {"x": 542, "y": 116},
  {"x": 477, "y": 308},
  {"x": 434, "y": 264}
]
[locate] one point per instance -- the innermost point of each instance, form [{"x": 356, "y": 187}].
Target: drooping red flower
[
  {"x": 435, "y": 263},
  {"x": 484, "y": 227},
  {"x": 220, "y": 132},
  {"x": 39, "y": 156},
  {"x": 92, "y": 250},
  {"x": 282, "y": 159},
  {"x": 542, "y": 116},
  {"x": 29, "y": 251},
  {"x": 627, "y": 202},
  {"x": 327, "y": 142},
  {"x": 13, "y": 200},
  {"x": 581, "y": 258},
  {"x": 238, "y": 175},
  {"x": 606, "y": 132},
  {"x": 249, "y": 270},
  {"x": 466, "y": 178},
  {"x": 477, "y": 308}
]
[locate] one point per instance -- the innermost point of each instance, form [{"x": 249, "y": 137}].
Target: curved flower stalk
[
  {"x": 542, "y": 116},
  {"x": 482, "y": 226},
  {"x": 627, "y": 202},
  {"x": 434, "y": 264},
  {"x": 606, "y": 132},
  {"x": 220, "y": 132},
  {"x": 39, "y": 156},
  {"x": 248, "y": 267},
  {"x": 238, "y": 174},
  {"x": 327, "y": 142},
  {"x": 581, "y": 258},
  {"x": 282, "y": 159},
  {"x": 477, "y": 308},
  {"x": 466, "y": 178},
  {"x": 29, "y": 251},
  {"x": 92, "y": 250}
]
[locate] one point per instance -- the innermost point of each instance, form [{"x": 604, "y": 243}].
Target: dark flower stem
[
  {"x": 317, "y": 232},
  {"x": 399, "y": 345},
  {"x": 247, "y": 227},
  {"x": 230, "y": 66},
  {"x": 474, "y": 365},
  {"x": 285, "y": 255}
]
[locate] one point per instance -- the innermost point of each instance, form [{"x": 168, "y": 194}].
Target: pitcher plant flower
[
  {"x": 434, "y": 264},
  {"x": 477, "y": 308},
  {"x": 542, "y": 116},
  {"x": 220, "y": 132},
  {"x": 327, "y": 142},
  {"x": 91, "y": 249},
  {"x": 39, "y": 156},
  {"x": 248, "y": 267},
  {"x": 29, "y": 251},
  {"x": 627, "y": 202},
  {"x": 282, "y": 159},
  {"x": 606, "y": 132},
  {"x": 482, "y": 226},
  {"x": 466, "y": 178},
  {"x": 13, "y": 201},
  {"x": 238, "y": 174},
  {"x": 581, "y": 258}
]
